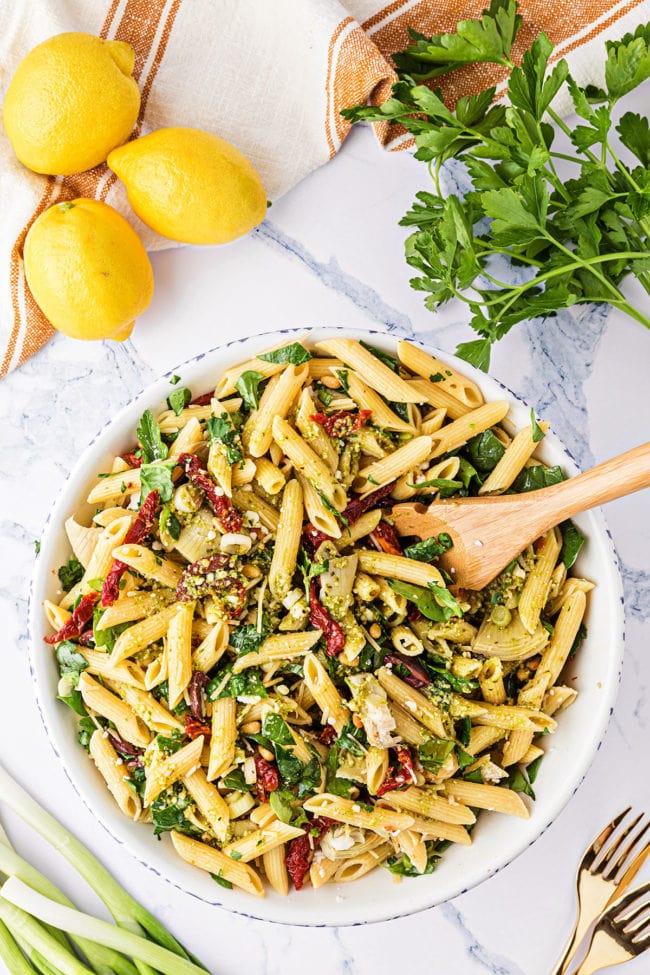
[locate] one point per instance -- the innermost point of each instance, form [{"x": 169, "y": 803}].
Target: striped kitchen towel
[{"x": 270, "y": 77}]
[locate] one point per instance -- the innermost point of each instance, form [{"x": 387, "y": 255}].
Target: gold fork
[
  {"x": 604, "y": 874},
  {"x": 623, "y": 932}
]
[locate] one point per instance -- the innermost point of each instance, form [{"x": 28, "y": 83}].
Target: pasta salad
[{"x": 261, "y": 667}]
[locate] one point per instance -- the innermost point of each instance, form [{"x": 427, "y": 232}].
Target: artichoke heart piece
[{"x": 511, "y": 642}]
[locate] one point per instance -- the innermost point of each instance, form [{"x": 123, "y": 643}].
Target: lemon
[
  {"x": 190, "y": 185},
  {"x": 88, "y": 270},
  {"x": 71, "y": 100}
]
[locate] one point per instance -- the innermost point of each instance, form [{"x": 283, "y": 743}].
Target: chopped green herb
[
  {"x": 175, "y": 379},
  {"x": 384, "y": 357},
  {"x": 70, "y": 574},
  {"x": 221, "y": 880}
]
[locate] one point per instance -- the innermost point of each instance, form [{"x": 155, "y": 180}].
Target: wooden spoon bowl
[{"x": 489, "y": 532}]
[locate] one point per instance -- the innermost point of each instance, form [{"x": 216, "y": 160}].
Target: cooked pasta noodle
[{"x": 267, "y": 670}]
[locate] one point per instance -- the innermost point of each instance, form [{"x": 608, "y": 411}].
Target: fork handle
[
  {"x": 572, "y": 943},
  {"x": 603, "y": 952}
]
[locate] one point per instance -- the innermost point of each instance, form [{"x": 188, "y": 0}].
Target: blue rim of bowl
[{"x": 124, "y": 843}]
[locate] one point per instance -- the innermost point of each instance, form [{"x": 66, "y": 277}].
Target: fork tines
[
  {"x": 613, "y": 851},
  {"x": 628, "y": 919}
]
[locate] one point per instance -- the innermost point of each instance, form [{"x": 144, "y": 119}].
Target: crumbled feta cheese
[{"x": 356, "y": 808}]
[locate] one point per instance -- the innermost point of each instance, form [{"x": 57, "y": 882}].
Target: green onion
[
  {"x": 500, "y": 616},
  {"x": 27, "y": 901},
  {"x": 138, "y": 934},
  {"x": 11, "y": 955}
]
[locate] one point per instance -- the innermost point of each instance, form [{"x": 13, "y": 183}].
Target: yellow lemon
[
  {"x": 190, "y": 185},
  {"x": 87, "y": 269},
  {"x": 71, "y": 100}
]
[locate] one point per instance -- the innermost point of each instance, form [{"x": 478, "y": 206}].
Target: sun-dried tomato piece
[
  {"x": 321, "y": 619},
  {"x": 384, "y": 538},
  {"x": 300, "y": 851},
  {"x": 341, "y": 423},
  {"x": 313, "y": 537},
  {"x": 195, "y": 688},
  {"x": 203, "y": 400},
  {"x": 74, "y": 626},
  {"x": 215, "y": 576},
  {"x": 195, "y": 727},
  {"x": 400, "y": 774},
  {"x": 229, "y": 518},
  {"x": 267, "y": 778},
  {"x": 131, "y": 459},
  {"x": 378, "y": 499},
  {"x": 413, "y": 614},
  {"x": 87, "y": 638},
  {"x": 417, "y": 676},
  {"x": 328, "y": 735},
  {"x": 136, "y": 534}
]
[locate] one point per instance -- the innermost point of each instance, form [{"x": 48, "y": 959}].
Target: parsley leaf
[
  {"x": 429, "y": 548},
  {"x": 150, "y": 439},
  {"x": 435, "y": 602},
  {"x": 70, "y": 574},
  {"x": 578, "y": 233}
]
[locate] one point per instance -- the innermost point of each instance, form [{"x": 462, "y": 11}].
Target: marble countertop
[{"x": 330, "y": 253}]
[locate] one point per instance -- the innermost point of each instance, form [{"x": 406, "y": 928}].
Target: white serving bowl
[{"x": 498, "y": 839}]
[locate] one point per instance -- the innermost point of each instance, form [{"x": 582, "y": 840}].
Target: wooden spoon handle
[{"x": 613, "y": 479}]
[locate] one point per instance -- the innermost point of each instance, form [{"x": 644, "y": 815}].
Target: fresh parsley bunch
[{"x": 577, "y": 238}]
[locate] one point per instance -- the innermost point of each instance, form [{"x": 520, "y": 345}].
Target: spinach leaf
[
  {"x": 280, "y": 802},
  {"x": 86, "y": 729},
  {"x": 294, "y": 354},
  {"x": 538, "y": 433},
  {"x": 384, "y": 357},
  {"x": 169, "y": 523},
  {"x": 310, "y": 777},
  {"x": 248, "y": 387},
  {"x": 168, "y": 813},
  {"x": 247, "y": 639},
  {"x": 70, "y": 574},
  {"x": 179, "y": 399},
  {"x": 150, "y": 439},
  {"x": 71, "y": 662},
  {"x": 157, "y": 477},
  {"x": 430, "y": 548},
  {"x": 236, "y": 780},
  {"x": 580, "y": 636},
  {"x": 464, "y": 758},
  {"x": 484, "y": 451},
  {"x": 75, "y": 702},
  {"x": 434, "y": 752},
  {"x": 534, "y": 478},
  {"x": 518, "y": 782},
  {"x": 463, "y": 730},
  {"x": 444, "y": 483},
  {"x": 221, "y": 880},
  {"x": 435, "y": 602},
  {"x": 572, "y": 542},
  {"x": 246, "y": 684},
  {"x": 337, "y": 785},
  {"x": 353, "y": 739},
  {"x": 533, "y": 769},
  {"x": 222, "y": 429},
  {"x": 105, "y": 639},
  {"x": 172, "y": 744},
  {"x": 277, "y": 731}
]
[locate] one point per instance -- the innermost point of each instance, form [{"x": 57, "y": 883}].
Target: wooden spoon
[{"x": 489, "y": 532}]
